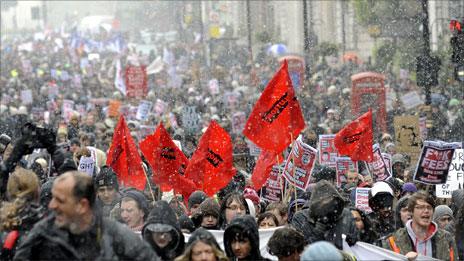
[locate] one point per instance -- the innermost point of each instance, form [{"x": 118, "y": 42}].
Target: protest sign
[
  {"x": 423, "y": 127},
  {"x": 362, "y": 200},
  {"x": 213, "y": 86},
  {"x": 455, "y": 178},
  {"x": 327, "y": 151},
  {"x": 254, "y": 150},
  {"x": 190, "y": 119},
  {"x": 411, "y": 100},
  {"x": 238, "y": 122},
  {"x": 113, "y": 108},
  {"x": 67, "y": 109},
  {"x": 407, "y": 136},
  {"x": 387, "y": 158},
  {"x": 146, "y": 130},
  {"x": 300, "y": 163},
  {"x": 434, "y": 162},
  {"x": 143, "y": 110},
  {"x": 160, "y": 106},
  {"x": 377, "y": 167},
  {"x": 273, "y": 184},
  {"x": 37, "y": 113},
  {"x": 343, "y": 165},
  {"x": 86, "y": 165},
  {"x": 136, "y": 81},
  {"x": 231, "y": 99},
  {"x": 26, "y": 97}
]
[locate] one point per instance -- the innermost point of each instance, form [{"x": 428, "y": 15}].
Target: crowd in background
[{"x": 82, "y": 217}]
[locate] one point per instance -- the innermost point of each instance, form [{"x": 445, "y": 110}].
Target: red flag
[
  {"x": 211, "y": 166},
  {"x": 124, "y": 157},
  {"x": 276, "y": 116},
  {"x": 263, "y": 168},
  {"x": 355, "y": 139},
  {"x": 166, "y": 159}
]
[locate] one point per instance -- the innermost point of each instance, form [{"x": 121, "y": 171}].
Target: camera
[{"x": 37, "y": 137}]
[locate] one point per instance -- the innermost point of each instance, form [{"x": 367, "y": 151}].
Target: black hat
[{"x": 107, "y": 177}]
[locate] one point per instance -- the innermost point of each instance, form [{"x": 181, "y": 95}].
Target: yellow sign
[{"x": 214, "y": 31}]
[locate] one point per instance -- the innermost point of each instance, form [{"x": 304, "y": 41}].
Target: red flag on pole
[
  {"x": 166, "y": 159},
  {"x": 355, "y": 139},
  {"x": 124, "y": 158},
  {"x": 276, "y": 116},
  {"x": 211, "y": 166},
  {"x": 263, "y": 168}
]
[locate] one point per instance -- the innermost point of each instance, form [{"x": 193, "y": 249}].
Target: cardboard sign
[
  {"x": 362, "y": 200},
  {"x": 136, "y": 81},
  {"x": 26, "y": 97},
  {"x": 343, "y": 165},
  {"x": 86, "y": 165},
  {"x": 300, "y": 163},
  {"x": 407, "y": 136},
  {"x": 238, "y": 122},
  {"x": 378, "y": 168},
  {"x": 327, "y": 151},
  {"x": 455, "y": 178},
  {"x": 434, "y": 162},
  {"x": 190, "y": 119},
  {"x": 113, "y": 108},
  {"x": 143, "y": 110},
  {"x": 411, "y": 100},
  {"x": 273, "y": 184}
]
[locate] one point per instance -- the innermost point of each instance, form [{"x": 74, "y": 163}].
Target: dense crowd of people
[{"x": 51, "y": 211}]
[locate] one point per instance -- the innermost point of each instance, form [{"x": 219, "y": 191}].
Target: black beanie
[
  {"x": 138, "y": 197},
  {"x": 196, "y": 198},
  {"x": 107, "y": 177}
]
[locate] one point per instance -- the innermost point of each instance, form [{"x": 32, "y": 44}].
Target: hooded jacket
[
  {"x": 248, "y": 227},
  {"x": 163, "y": 217},
  {"x": 319, "y": 223},
  {"x": 439, "y": 244},
  {"x": 209, "y": 207}
]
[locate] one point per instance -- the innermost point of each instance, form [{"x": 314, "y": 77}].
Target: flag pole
[
  {"x": 293, "y": 170},
  {"x": 280, "y": 180},
  {"x": 148, "y": 182}
]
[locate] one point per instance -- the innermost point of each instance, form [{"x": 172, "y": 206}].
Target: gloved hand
[{"x": 351, "y": 239}]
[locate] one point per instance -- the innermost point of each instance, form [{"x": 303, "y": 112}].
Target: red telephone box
[
  {"x": 368, "y": 91},
  {"x": 296, "y": 69}
]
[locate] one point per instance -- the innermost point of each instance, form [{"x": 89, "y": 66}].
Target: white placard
[{"x": 86, "y": 165}]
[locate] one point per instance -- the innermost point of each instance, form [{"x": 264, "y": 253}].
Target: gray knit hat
[
  {"x": 321, "y": 250},
  {"x": 440, "y": 211}
]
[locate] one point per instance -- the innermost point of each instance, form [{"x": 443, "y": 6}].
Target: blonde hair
[
  {"x": 23, "y": 183},
  {"x": 187, "y": 255},
  {"x": 22, "y": 188}
]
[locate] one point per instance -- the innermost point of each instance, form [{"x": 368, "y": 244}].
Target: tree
[{"x": 396, "y": 20}]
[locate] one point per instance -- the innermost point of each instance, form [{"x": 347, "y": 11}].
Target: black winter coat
[
  {"x": 248, "y": 225},
  {"x": 107, "y": 241},
  {"x": 313, "y": 230},
  {"x": 162, "y": 214}
]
